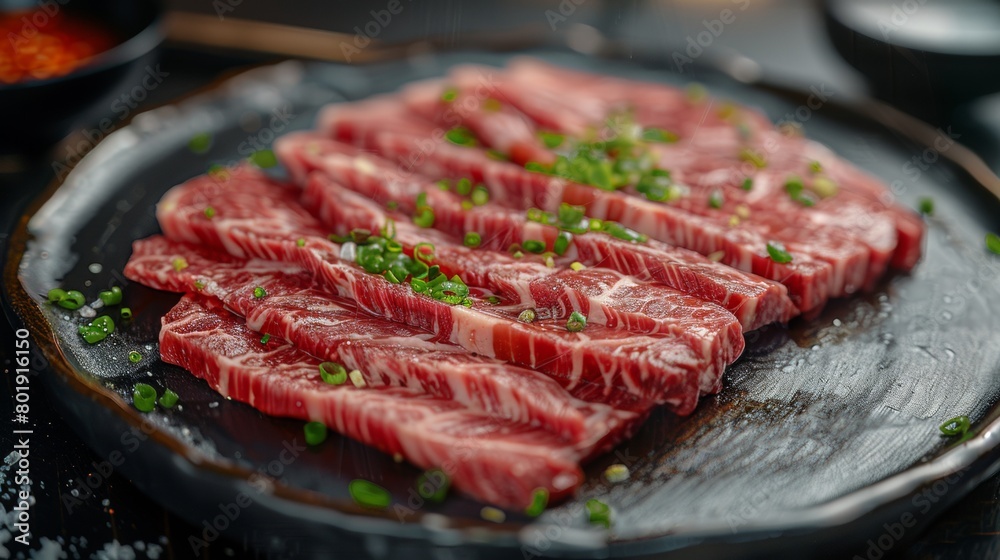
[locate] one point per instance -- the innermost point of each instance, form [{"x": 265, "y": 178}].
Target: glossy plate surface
[{"x": 824, "y": 430}]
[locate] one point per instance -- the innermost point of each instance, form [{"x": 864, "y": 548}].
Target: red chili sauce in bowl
[{"x": 38, "y": 45}]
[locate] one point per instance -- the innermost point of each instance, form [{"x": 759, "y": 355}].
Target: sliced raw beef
[
  {"x": 495, "y": 461},
  {"x": 754, "y": 301},
  {"x": 251, "y": 219},
  {"x": 604, "y": 296},
  {"x": 386, "y": 353}
]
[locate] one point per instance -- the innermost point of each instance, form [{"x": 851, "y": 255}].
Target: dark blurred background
[{"x": 931, "y": 59}]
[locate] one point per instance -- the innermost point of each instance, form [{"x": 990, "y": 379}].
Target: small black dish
[
  {"x": 38, "y": 113},
  {"x": 926, "y": 58}
]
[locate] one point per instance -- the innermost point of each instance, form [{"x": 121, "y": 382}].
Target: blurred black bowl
[
  {"x": 924, "y": 57},
  {"x": 38, "y": 113}
]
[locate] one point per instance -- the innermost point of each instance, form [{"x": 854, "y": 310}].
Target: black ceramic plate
[{"x": 823, "y": 438}]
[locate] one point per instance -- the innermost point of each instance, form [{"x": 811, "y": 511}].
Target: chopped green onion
[
  {"x": 753, "y": 157},
  {"x": 716, "y": 200},
  {"x": 356, "y": 378},
  {"x": 444, "y": 184},
  {"x": 658, "y": 135},
  {"x": 392, "y": 206},
  {"x": 168, "y": 399},
  {"x": 561, "y": 244},
  {"x": 180, "y": 263},
  {"x": 264, "y": 339},
  {"x": 536, "y": 167},
  {"x": 570, "y": 215},
  {"x": 264, "y": 159},
  {"x": 578, "y": 266},
  {"x": 472, "y": 239},
  {"x": 598, "y": 513},
  {"x": 71, "y": 300},
  {"x": 125, "y": 313},
  {"x": 56, "y": 295},
  {"x": 315, "y": 433},
  {"x": 794, "y": 187},
  {"x": 815, "y": 166},
  {"x": 461, "y": 136},
  {"x": 494, "y": 300},
  {"x": 551, "y": 139},
  {"x": 300, "y": 242},
  {"x": 209, "y": 212},
  {"x": 824, "y": 187},
  {"x": 577, "y": 322},
  {"x": 778, "y": 254},
  {"x": 134, "y": 357},
  {"x": 957, "y": 426},
  {"x": 391, "y": 277},
  {"x": 616, "y": 473},
  {"x": 433, "y": 485},
  {"x": 490, "y": 513},
  {"x": 616, "y": 230},
  {"x": 333, "y": 373},
  {"x": 463, "y": 186},
  {"x": 424, "y": 217},
  {"x": 200, "y": 143},
  {"x": 533, "y": 246},
  {"x": 993, "y": 243},
  {"x": 259, "y": 292},
  {"x": 539, "y": 499},
  {"x": 389, "y": 229},
  {"x": 926, "y": 206},
  {"x": 144, "y": 397},
  {"x": 449, "y": 95},
  {"x": 518, "y": 255},
  {"x": 104, "y": 323},
  {"x": 748, "y": 184},
  {"x": 419, "y": 254},
  {"x": 527, "y": 316},
  {"x": 480, "y": 195},
  {"x": 369, "y": 494}
]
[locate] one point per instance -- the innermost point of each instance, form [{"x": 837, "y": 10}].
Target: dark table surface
[{"x": 116, "y": 521}]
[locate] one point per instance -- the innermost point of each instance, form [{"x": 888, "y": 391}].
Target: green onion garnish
[
  {"x": 112, "y": 296},
  {"x": 658, "y": 135},
  {"x": 956, "y": 426},
  {"x": 264, "y": 159},
  {"x": 526, "y": 316},
  {"x": 778, "y": 254},
  {"x": 259, "y": 292},
  {"x": 264, "y": 339},
  {"x": 824, "y": 187},
  {"x": 463, "y": 186},
  {"x": 993, "y": 243},
  {"x": 200, "y": 143},
  {"x": 333, "y": 373},
  {"x": 71, "y": 300},
  {"x": 551, "y": 139},
  {"x": 577, "y": 322},
  {"x": 578, "y": 266},
  {"x": 300, "y": 242},
  {"x": 209, "y": 212},
  {"x": 480, "y": 195},
  {"x": 144, "y": 397},
  {"x": 815, "y": 166},
  {"x": 424, "y": 217},
  {"x": 716, "y": 200},
  {"x": 180, "y": 263},
  {"x": 753, "y": 157},
  {"x": 449, "y": 95},
  {"x": 433, "y": 485},
  {"x": 926, "y": 206},
  {"x": 533, "y": 246},
  {"x": 539, "y": 499},
  {"x": 472, "y": 239},
  {"x": 598, "y": 513},
  {"x": 369, "y": 494},
  {"x": 134, "y": 357},
  {"x": 561, "y": 244},
  {"x": 794, "y": 187},
  {"x": 444, "y": 184},
  {"x": 125, "y": 313},
  {"x": 315, "y": 433},
  {"x": 168, "y": 399},
  {"x": 748, "y": 184},
  {"x": 461, "y": 136},
  {"x": 56, "y": 295}
]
